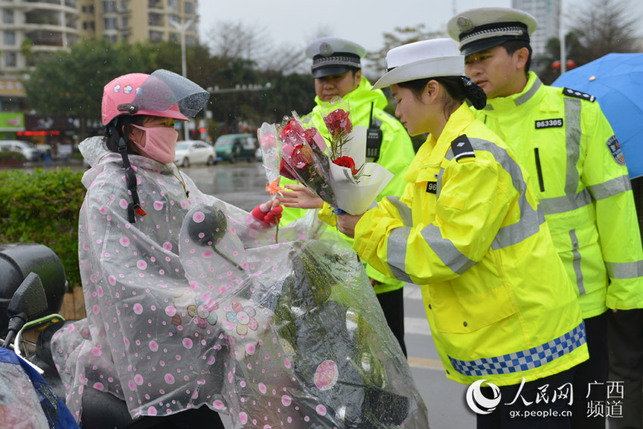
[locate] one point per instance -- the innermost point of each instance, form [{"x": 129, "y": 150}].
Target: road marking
[
  {"x": 412, "y": 291},
  {"x": 417, "y": 326},
  {"x": 424, "y": 363}
]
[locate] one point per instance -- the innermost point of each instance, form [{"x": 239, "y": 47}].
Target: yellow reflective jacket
[
  {"x": 568, "y": 148},
  {"x": 467, "y": 229},
  {"x": 396, "y": 153}
]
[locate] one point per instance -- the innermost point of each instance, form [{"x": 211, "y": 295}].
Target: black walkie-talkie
[{"x": 373, "y": 139}]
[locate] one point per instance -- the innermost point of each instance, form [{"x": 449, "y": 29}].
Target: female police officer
[{"x": 467, "y": 229}]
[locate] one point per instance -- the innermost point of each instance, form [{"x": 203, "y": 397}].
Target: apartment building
[
  {"x": 548, "y": 16},
  {"x": 34, "y": 28},
  {"x": 140, "y": 20},
  {"x": 31, "y": 28}
]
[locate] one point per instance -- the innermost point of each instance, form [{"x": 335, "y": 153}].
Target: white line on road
[{"x": 417, "y": 326}]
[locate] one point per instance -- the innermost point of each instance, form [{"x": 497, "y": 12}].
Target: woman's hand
[
  {"x": 268, "y": 212},
  {"x": 300, "y": 197},
  {"x": 346, "y": 223}
]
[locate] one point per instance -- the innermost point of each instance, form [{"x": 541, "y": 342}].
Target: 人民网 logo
[{"x": 478, "y": 402}]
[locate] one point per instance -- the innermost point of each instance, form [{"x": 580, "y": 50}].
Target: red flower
[
  {"x": 292, "y": 132},
  {"x": 302, "y": 157},
  {"x": 286, "y": 171},
  {"x": 346, "y": 161},
  {"x": 338, "y": 123}
]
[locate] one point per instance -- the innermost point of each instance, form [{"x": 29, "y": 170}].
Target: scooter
[
  {"x": 32, "y": 290},
  {"x": 28, "y": 305}
]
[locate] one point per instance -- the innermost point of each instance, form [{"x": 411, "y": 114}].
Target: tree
[
  {"x": 71, "y": 83},
  {"x": 574, "y": 51},
  {"x": 399, "y": 36},
  {"x": 235, "y": 40},
  {"x": 606, "y": 26}
]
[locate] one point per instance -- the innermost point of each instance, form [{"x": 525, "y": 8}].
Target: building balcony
[{"x": 69, "y": 5}]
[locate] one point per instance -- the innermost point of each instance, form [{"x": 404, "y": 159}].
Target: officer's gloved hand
[{"x": 268, "y": 212}]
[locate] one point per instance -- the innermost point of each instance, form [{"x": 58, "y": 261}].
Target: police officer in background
[
  {"x": 568, "y": 148},
  {"x": 336, "y": 69}
]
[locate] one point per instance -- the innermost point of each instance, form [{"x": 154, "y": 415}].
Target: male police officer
[
  {"x": 564, "y": 141},
  {"x": 336, "y": 69}
]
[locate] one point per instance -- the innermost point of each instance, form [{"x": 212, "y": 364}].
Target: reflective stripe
[
  {"x": 523, "y": 360},
  {"x": 523, "y": 98},
  {"x": 530, "y": 218},
  {"x": 439, "y": 184},
  {"x": 405, "y": 211},
  {"x": 446, "y": 250},
  {"x": 396, "y": 253},
  {"x": 624, "y": 270},
  {"x": 576, "y": 262},
  {"x": 572, "y": 143},
  {"x": 566, "y": 203},
  {"x": 611, "y": 188},
  {"x": 527, "y": 95}
]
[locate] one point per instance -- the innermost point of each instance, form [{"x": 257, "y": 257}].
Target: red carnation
[{"x": 346, "y": 161}]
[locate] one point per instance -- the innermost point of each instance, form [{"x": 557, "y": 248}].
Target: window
[
  {"x": 109, "y": 6},
  {"x": 109, "y": 23},
  {"x": 10, "y": 59},
  {"x": 155, "y": 36},
  {"x": 173, "y": 5},
  {"x": 9, "y": 38},
  {"x": 189, "y": 8},
  {"x": 7, "y": 16}
]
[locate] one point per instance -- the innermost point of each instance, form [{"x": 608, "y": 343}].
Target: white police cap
[
  {"x": 486, "y": 27},
  {"x": 334, "y": 56},
  {"x": 419, "y": 60}
]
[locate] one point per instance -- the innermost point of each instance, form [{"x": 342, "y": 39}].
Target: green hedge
[
  {"x": 9, "y": 156},
  {"x": 42, "y": 207}
]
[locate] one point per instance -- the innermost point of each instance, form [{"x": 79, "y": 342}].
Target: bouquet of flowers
[{"x": 336, "y": 170}]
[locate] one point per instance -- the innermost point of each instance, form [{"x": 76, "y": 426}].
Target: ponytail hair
[
  {"x": 459, "y": 88},
  {"x": 474, "y": 93}
]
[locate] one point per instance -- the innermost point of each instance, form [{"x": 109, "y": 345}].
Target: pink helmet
[{"x": 162, "y": 93}]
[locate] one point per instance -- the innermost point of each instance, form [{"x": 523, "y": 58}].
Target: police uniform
[
  {"x": 391, "y": 148},
  {"x": 561, "y": 137},
  {"x": 467, "y": 229}
]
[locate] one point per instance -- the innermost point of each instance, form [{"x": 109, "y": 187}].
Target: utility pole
[
  {"x": 563, "y": 48},
  {"x": 182, "y": 29}
]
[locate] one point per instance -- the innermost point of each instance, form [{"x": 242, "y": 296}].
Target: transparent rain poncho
[{"x": 195, "y": 304}]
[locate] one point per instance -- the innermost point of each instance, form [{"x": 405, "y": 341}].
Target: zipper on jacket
[{"x": 541, "y": 182}]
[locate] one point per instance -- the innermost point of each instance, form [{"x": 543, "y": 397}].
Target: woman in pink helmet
[
  {"x": 135, "y": 205},
  {"x": 192, "y": 309}
]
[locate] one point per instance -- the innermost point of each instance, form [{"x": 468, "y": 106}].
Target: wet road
[{"x": 243, "y": 184}]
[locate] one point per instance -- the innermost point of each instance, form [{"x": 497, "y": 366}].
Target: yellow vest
[
  {"x": 568, "y": 148},
  {"x": 467, "y": 229}
]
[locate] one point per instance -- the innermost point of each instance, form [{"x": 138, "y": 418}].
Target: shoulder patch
[
  {"x": 462, "y": 148},
  {"x": 615, "y": 149},
  {"x": 578, "y": 94}
]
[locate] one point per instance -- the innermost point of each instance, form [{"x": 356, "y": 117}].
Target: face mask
[{"x": 160, "y": 143}]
